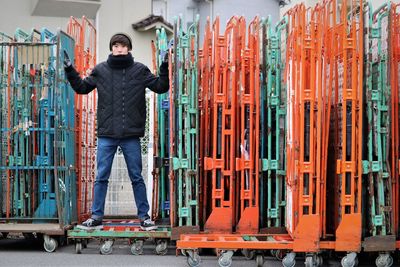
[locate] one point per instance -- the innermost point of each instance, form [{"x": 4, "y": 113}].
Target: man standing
[{"x": 121, "y": 118}]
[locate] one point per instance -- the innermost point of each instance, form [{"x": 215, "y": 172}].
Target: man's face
[{"x": 119, "y": 49}]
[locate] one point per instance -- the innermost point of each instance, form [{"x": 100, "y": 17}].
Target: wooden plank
[{"x": 380, "y": 243}]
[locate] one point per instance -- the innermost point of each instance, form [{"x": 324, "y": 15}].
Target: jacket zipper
[{"x": 123, "y": 100}]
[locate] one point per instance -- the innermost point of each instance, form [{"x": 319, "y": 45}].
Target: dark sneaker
[
  {"x": 147, "y": 225},
  {"x": 91, "y": 224}
]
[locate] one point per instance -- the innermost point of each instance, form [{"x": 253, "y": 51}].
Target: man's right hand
[
  {"x": 164, "y": 56},
  {"x": 67, "y": 61}
]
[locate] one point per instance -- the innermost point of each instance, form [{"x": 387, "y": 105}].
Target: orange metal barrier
[
  {"x": 302, "y": 198},
  {"x": 205, "y": 106},
  {"x": 247, "y": 165},
  {"x": 394, "y": 76},
  {"x": 328, "y": 150},
  {"x": 84, "y": 34},
  {"x": 221, "y": 161},
  {"x": 308, "y": 126},
  {"x": 349, "y": 108},
  {"x": 156, "y": 175}
]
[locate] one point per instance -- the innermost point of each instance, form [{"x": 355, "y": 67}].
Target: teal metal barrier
[
  {"x": 378, "y": 216},
  {"x": 273, "y": 125},
  {"x": 185, "y": 128}
]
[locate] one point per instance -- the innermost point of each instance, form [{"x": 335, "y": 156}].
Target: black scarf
[{"x": 120, "y": 61}]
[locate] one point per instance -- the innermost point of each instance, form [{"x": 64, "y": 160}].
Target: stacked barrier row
[
  {"x": 37, "y": 160},
  {"x": 298, "y": 139},
  {"x": 47, "y": 133},
  {"x": 316, "y": 142},
  {"x": 176, "y": 183}
]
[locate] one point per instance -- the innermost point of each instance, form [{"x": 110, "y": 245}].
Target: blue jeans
[{"x": 131, "y": 149}]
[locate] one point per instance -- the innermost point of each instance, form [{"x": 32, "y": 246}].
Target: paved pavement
[{"x": 21, "y": 252}]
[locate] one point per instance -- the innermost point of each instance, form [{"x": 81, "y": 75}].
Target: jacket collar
[{"x": 120, "y": 62}]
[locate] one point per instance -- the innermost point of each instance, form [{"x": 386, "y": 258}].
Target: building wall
[
  {"x": 118, "y": 16},
  {"x": 222, "y": 8},
  {"x": 375, "y": 4},
  {"x": 113, "y": 16},
  {"x": 249, "y": 9},
  {"x": 160, "y": 8},
  {"x": 17, "y": 14}
]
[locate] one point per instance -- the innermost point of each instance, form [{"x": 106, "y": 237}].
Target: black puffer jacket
[{"x": 121, "y": 85}]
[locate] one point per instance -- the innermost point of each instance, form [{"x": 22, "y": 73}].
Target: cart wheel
[
  {"x": 137, "y": 247},
  {"x": 78, "y": 247},
  {"x": 350, "y": 260},
  {"x": 384, "y": 260},
  {"x": 248, "y": 254},
  {"x": 309, "y": 262},
  {"x": 106, "y": 247},
  {"x": 289, "y": 260},
  {"x": 50, "y": 244},
  {"x": 260, "y": 260},
  {"x": 161, "y": 247},
  {"x": 193, "y": 258},
  {"x": 225, "y": 260}
]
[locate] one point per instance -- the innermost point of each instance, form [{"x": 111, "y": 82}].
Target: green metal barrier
[
  {"x": 273, "y": 121},
  {"x": 161, "y": 160},
  {"x": 185, "y": 129},
  {"x": 378, "y": 216}
]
